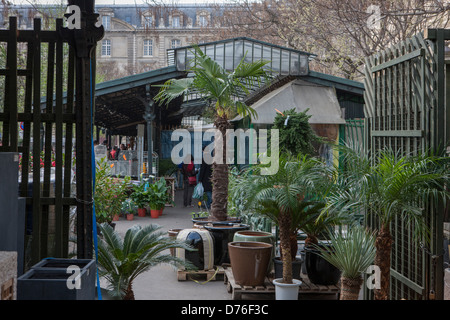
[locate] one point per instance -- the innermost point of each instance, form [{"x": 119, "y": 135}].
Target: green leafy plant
[
  {"x": 281, "y": 196},
  {"x": 352, "y": 253},
  {"x": 109, "y": 192},
  {"x": 295, "y": 133},
  {"x": 129, "y": 207},
  {"x": 390, "y": 186},
  {"x": 121, "y": 261},
  {"x": 140, "y": 196},
  {"x": 158, "y": 196}
]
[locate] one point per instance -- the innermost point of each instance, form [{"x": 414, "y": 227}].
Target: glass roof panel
[{"x": 228, "y": 53}]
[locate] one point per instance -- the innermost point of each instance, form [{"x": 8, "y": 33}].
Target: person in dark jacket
[
  {"x": 189, "y": 181},
  {"x": 205, "y": 179}
]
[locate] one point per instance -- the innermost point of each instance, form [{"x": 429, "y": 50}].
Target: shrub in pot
[
  {"x": 109, "y": 192},
  {"x": 122, "y": 260},
  {"x": 280, "y": 195},
  {"x": 129, "y": 209},
  {"x": 390, "y": 186},
  {"x": 352, "y": 254},
  {"x": 141, "y": 198}
]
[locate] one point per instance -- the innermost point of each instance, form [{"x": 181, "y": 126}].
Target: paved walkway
[{"x": 160, "y": 282}]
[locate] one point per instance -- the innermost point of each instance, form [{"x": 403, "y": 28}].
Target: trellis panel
[{"x": 405, "y": 111}]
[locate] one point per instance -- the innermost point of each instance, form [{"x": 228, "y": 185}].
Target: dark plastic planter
[
  {"x": 223, "y": 234},
  {"x": 201, "y": 221},
  {"x": 296, "y": 268},
  {"x": 319, "y": 270},
  {"x": 48, "y": 280}
]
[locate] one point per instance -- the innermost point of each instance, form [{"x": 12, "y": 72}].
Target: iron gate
[{"x": 405, "y": 110}]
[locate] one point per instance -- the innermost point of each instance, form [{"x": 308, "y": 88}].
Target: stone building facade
[{"x": 137, "y": 37}]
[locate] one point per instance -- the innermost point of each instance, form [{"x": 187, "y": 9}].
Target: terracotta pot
[
  {"x": 257, "y": 236},
  {"x": 154, "y": 213},
  {"x": 161, "y": 211},
  {"x": 142, "y": 212},
  {"x": 249, "y": 261},
  {"x": 115, "y": 217},
  {"x": 130, "y": 216}
]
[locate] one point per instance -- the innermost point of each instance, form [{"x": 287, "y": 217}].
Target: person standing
[
  {"x": 189, "y": 181},
  {"x": 205, "y": 179}
]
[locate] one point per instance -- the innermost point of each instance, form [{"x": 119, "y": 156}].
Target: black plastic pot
[
  {"x": 319, "y": 270},
  {"x": 296, "y": 268},
  {"x": 222, "y": 235},
  {"x": 201, "y": 221}
]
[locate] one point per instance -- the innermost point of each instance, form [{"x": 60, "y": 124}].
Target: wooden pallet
[
  {"x": 237, "y": 290},
  {"x": 268, "y": 287},
  {"x": 210, "y": 275}
]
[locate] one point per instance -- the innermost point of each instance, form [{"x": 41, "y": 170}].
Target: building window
[
  {"x": 106, "y": 21},
  {"x": 148, "y": 22},
  {"x": 148, "y": 47},
  {"x": 106, "y": 48},
  {"x": 176, "y": 43},
  {"x": 202, "y": 21},
  {"x": 176, "y": 22}
]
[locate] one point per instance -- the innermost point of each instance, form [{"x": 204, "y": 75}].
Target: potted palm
[
  {"x": 390, "y": 186},
  {"x": 121, "y": 261},
  {"x": 219, "y": 88},
  {"x": 280, "y": 195},
  {"x": 352, "y": 254}
]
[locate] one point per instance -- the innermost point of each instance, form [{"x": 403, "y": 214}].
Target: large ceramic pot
[
  {"x": 296, "y": 267},
  {"x": 319, "y": 270},
  {"x": 222, "y": 235},
  {"x": 257, "y": 236},
  {"x": 249, "y": 262},
  {"x": 201, "y": 240}
]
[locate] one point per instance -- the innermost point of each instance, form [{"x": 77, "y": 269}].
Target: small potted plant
[
  {"x": 109, "y": 193},
  {"x": 141, "y": 198},
  {"x": 129, "y": 209}
]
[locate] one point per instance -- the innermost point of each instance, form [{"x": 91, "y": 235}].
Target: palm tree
[
  {"x": 221, "y": 88},
  {"x": 390, "y": 186},
  {"x": 281, "y": 195},
  {"x": 352, "y": 253},
  {"x": 121, "y": 261}
]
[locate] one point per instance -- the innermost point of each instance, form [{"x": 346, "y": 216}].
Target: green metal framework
[{"x": 406, "y": 110}]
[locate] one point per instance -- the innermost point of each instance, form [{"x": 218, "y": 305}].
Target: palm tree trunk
[
  {"x": 350, "y": 288},
  {"x": 220, "y": 177},
  {"x": 383, "y": 245},
  {"x": 285, "y": 245},
  {"x": 129, "y": 294}
]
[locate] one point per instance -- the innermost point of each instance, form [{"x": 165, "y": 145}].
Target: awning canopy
[{"x": 321, "y": 100}]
